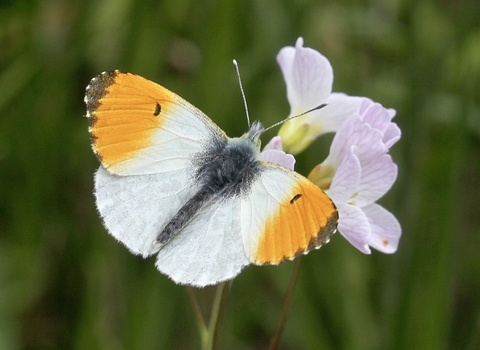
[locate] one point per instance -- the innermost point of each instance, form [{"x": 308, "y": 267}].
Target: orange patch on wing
[
  {"x": 305, "y": 220},
  {"x": 125, "y": 111}
]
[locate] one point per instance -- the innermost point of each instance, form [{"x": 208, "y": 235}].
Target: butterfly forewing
[
  {"x": 293, "y": 217},
  {"x": 139, "y": 127}
]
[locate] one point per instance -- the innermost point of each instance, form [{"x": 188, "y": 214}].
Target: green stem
[
  {"x": 274, "y": 343},
  {"x": 202, "y": 327},
  {"x": 212, "y": 337}
]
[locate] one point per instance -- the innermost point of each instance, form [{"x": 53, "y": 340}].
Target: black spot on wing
[
  {"x": 157, "y": 109},
  {"x": 295, "y": 198}
]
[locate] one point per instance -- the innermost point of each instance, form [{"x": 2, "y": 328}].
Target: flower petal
[
  {"x": 385, "y": 228},
  {"x": 355, "y": 132},
  {"x": 374, "y": 114},
  {"x": 378, "y": 177},
  {"x": 392, "y": 135},
  {"x": 308, "y": 75},
  {"x": 340, "y": 107},
  {"x": 354, "y": 226},
  {"x": 278, "y": 157},
  {"x": 380, "y": 118},
  {"x": 274, "y": 143},
  {"x": 392, "y": 112},
  {"x": 347, "y": 178}
]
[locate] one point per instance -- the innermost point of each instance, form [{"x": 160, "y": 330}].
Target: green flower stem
[
  {"x": 274, "y": 343},
  {"x": 210, "y": 336},
  {"x": 202, "y": 327},
  {"x": 216, "y": 316}
]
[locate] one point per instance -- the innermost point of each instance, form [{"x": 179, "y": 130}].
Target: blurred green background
[{"x": 66, "y": 284}]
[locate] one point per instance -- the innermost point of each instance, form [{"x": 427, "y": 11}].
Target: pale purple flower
[
  {"x": 309, "y": 78},
  {"x": 273, "y": 152},
  {"x": 359, "y": 171}
]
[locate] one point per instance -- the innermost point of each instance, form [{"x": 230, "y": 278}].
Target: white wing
[
  {"x": 135, "y": 209},
  {"x": 209, "y": 249}
]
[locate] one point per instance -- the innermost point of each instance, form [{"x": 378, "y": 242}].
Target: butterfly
[{"x": 172, "y": 183}]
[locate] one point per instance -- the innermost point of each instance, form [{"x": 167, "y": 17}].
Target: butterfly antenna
[
  {"x": 235, "y": 64},
  {"x": 298, "y": 115}
]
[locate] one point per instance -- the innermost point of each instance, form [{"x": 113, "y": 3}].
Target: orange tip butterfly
[{"x": 172, "y": 183}]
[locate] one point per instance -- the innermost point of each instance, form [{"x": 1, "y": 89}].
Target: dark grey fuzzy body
[{"x": 227, "y": 169}]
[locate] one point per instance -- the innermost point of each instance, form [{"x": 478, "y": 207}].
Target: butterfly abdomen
[{"x": 183, "y": 216}]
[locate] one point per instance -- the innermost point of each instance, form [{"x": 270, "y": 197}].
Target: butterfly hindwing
[
  {"x": 285, "y": 215},
  {"x": 135, "y": 209},
  {"x": 209, "y": 249}
]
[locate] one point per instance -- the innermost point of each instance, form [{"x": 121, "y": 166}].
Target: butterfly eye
[
  {"x": 295, "y": 198},
  {"x": 157, "y": 109}
]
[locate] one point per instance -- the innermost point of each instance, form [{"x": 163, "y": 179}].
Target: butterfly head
[{"x": 253, "y": 134}]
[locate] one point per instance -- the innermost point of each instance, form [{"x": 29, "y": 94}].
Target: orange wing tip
[
  {"x": 97, "y": 89},
  {"x": 305, "y": 220},
  {"x": 264, "y": 256},
  {"x": 306, "y": 251},
  {"x": 125, "y": 112}
]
